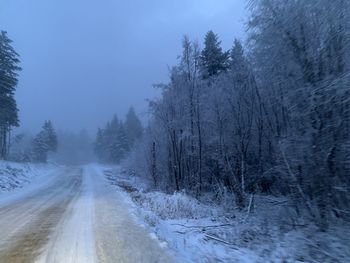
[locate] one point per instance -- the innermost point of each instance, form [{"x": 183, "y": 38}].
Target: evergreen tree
[
  {"x": 120, "y": 144},
  {"x": 133, "y": 127},
  {"x": 237, "y": 59},
  {"x": 9, "y": 68},
  {"x": 112, "y": 142},
  {"x": 44, "y": 142},
  {"x": 213, "y": 59},
  {"x": 51, "y": 136},
  {"x": 238, "y": 66},
  {"x": 99, "y": 145}
]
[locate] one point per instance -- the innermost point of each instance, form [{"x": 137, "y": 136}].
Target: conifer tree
[
  {"x": 112, "y": 143},
  {"x": 9, "y": 67},
  {"x": 213, "y": 59},
  {"x": 121, "y": 145},
  {"x": 133, "y": 127},
  {"x": 44, "y": 142},
  {"x": 99, "y": 145}
]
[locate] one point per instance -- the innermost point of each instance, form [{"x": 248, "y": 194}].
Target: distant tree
[
  {"x": 9, "y": 67},
  {"x": 112, "y": 140},
  {"x": 44, "y": 142},
  {"x": 133, "y": 127},
  {"x": 120, "y": 146},
  {"x": 99, "y": 144},
  {"x": 112, "y": 143},
  {"x": 213, "y": 59}
]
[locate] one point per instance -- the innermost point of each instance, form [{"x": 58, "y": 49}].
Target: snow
[
  {"x": 190, "y": 227},
  {"x": 74, "y": 240},
  {"x": 165, "y": 215},
  {"x": 98, "y": 214},
  {"x": 118, "y": 234},
  {"x": 16, "y": 175},
  {"x": 19, "y": 179},
  {"x": 73, "y": 215}
]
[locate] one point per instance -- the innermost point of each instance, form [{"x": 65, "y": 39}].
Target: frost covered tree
[
  {"x": 9, "y": 68},
  {"x": 133, "y": 127},
  {"x": 112, "y": 143},
  {"x": 301, "y": 56},
  {"x": 44, "y": 142},
  {"x": 118, "y": 144},
  {"x": 271, "y": 117}
]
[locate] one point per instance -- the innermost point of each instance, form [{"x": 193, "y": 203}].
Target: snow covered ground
[
  {"x": 206, "y": 232},
  {"x": 16, "y": 175},
  {"x": 72, "y": 214},
  {"x": 97, "y": 213}
]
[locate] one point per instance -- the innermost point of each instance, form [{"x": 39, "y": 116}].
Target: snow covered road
[{"x": 73, "y": 216}]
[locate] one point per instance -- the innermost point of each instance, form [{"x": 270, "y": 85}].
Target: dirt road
[{"x": 74, "y": 216}]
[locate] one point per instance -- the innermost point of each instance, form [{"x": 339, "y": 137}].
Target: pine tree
[
  {"x": 9, "y": 68},
  {"x": 51, "y": 136},
  {"x": 99, "y": 145},
  {"x": 237, "y": 59},
  {"x": 238, "y": 66},
  {"x": 133, "y": 127},
  {"x": 44, "y": 142},
  {"x": 112, "y": 140},
  {"x": 121, "y": 145},
  {"x": 213, "y": 59}
]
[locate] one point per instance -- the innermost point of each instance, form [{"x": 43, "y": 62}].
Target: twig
[
  {"x": 181, "y": 232},
  {"x": 298, "y": 186},
  {"x": 249, "y": 207},
  {"x": 220, "y": 240},
  {"x": 202, "y": 226}
]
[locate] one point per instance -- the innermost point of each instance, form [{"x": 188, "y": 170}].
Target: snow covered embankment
[
  {"x": 16, "y": 175},
  {"x": 193, "y": 230},
  {"x": 206, "y": 232}
]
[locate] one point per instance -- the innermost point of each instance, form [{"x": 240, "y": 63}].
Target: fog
[{"x": 85, "y": 60}]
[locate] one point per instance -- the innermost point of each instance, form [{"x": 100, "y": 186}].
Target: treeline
[
  {"x": 117, "y": 138},
  {"x": 271, "y": 117}
]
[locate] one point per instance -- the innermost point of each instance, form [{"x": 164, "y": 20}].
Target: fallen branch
[
  {"x": 221, "y": 240},
  {"x": 249, "y": 207},
  {"x": 209, "y": 226},
  {"x": 181, "y": 232}
]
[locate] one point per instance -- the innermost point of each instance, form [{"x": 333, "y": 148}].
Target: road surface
[{"x": 73, "y": 216}]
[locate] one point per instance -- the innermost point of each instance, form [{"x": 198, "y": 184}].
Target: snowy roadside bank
[
  {"x": 16, "y": 175},
  {"x": 206, "y": 232}
]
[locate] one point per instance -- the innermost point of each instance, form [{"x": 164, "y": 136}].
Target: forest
[
  {"x": 243, "y": 154},
  {"x": 267, "y": 117}
]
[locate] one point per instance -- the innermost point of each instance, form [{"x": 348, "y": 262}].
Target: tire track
[{"x": 28, "y": 223}]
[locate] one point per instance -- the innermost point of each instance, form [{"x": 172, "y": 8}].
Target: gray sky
[{"x": 84, "y": 60}]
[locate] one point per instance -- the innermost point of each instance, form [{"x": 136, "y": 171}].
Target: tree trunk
[{"x": 154, "y": 165}]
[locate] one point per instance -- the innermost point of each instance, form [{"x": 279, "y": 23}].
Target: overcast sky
[{"x": 84, "y": 60}]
